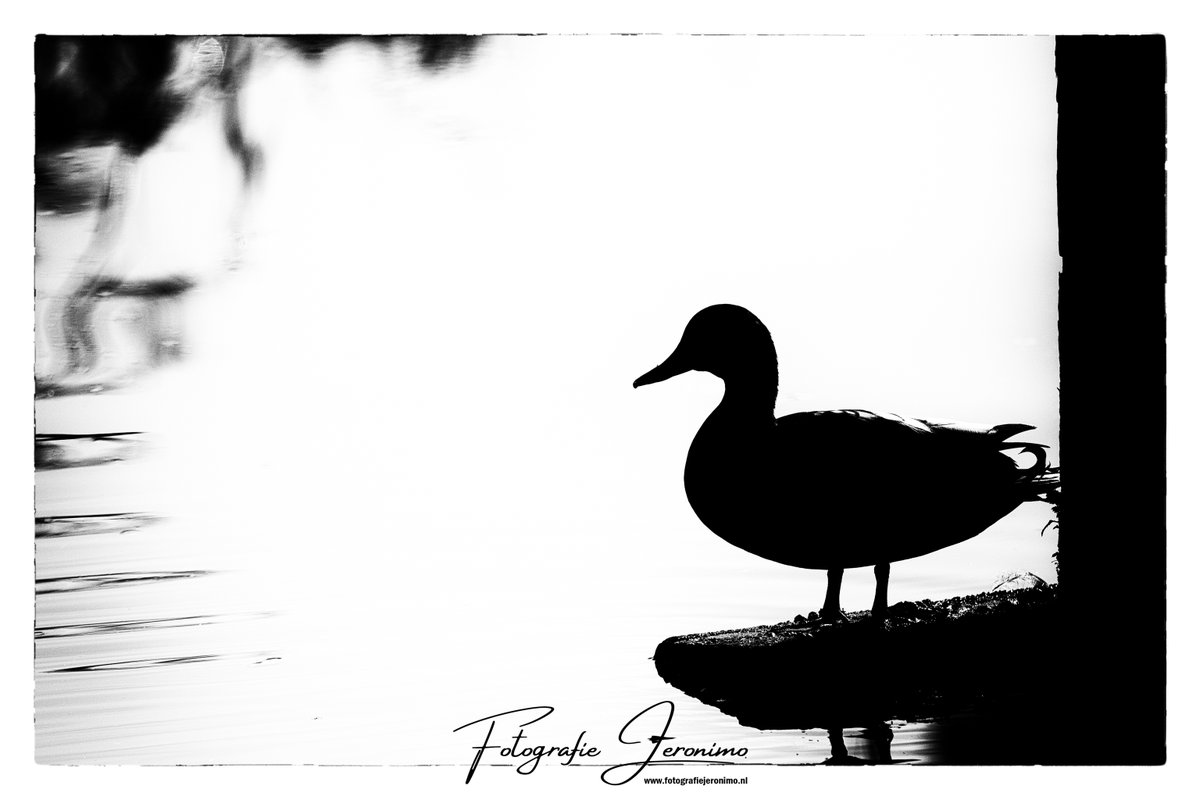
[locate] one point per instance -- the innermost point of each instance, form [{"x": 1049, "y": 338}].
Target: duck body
[
  {"x": 845, "y": 489},
  {"x": 834, "y": 490}
]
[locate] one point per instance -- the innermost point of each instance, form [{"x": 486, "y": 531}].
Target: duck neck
[{"x": 751, "y": 398}]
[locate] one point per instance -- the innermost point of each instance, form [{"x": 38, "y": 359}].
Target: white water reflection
[{"x": 402, "y": 478}]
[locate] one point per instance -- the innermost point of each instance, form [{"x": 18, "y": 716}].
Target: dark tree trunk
[{"x": 1112, "y": 546}]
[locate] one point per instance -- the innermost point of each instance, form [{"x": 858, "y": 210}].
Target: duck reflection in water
[
  {"x": 878, "y": 747},
  {"x": 833, "y": 490}
]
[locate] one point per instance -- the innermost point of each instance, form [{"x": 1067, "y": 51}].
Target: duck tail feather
[
  {"x": 1039, "y": 452},
  {"x": 1046, "y": 487},
  {"x": 1040, "y": 479},
  {"x": 1009, "y": 429}
]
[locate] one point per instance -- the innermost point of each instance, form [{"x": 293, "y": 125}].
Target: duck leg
[
  {"x": 880, "y": 606},
  {"x": 832, "y": 610},
  {"x": 840, "y": 756}
]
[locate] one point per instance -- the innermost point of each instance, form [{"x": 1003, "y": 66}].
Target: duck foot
[
  {"x": 844, "y": 761},
  {"x": 823, "y": 617},
  {"x": 840, "y": 756},
  {"x": 879, "y": 732},
  {"x": 831, "y": 615}
]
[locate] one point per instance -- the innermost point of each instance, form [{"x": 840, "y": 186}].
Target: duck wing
[
  {"x": 1038, "y": 477},
  {"x": 883, "y": 487},
  {"x": 890, "y": 440}
]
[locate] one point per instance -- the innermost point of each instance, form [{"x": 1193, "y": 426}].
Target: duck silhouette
[{"x": 834, "y": 490}]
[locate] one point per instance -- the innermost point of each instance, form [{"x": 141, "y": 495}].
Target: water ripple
[
  {"x": 63, "y": 450},
  {"x": 80, "y": 582},
  {"x": 59, "y": 631},
  {"x": 79, "y": 525},
  {"x": 145, "y": 663}
]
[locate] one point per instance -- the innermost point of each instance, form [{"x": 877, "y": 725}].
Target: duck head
[{"x": 727, "y": 341}]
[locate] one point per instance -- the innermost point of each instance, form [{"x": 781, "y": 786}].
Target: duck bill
[{"x": 673, "y": 366}]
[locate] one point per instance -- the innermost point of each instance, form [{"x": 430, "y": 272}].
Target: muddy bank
[{"x": 985, "y": 654}]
